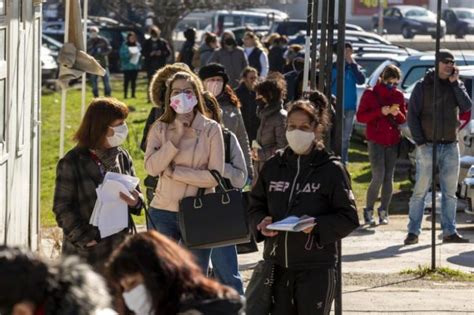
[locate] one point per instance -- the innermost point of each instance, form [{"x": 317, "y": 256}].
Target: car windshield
[
  {"x": 417, "y": 12},
  {"x": 465, "y": 14}
]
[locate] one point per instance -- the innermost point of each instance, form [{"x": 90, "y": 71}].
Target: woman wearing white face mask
[
  {"x": 82, "y": 170},
  {"x": 303, "y": 179},
  {"x": 159, "y": 277},
  {"x": 182, "y": 146}
]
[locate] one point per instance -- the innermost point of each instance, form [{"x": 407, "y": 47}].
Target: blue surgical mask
[{"x": 391, "y": 86}]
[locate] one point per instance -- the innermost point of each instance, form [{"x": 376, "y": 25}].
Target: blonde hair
[{"x": 169, "y": 114}]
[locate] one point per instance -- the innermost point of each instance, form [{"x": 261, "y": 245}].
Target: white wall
[{"x": 19, "y": 149}]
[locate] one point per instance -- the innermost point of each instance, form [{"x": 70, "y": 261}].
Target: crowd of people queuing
[{"x": 239, "y": 111}]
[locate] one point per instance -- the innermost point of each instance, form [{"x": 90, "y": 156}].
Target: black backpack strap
[{"x": 227, "y": 138}]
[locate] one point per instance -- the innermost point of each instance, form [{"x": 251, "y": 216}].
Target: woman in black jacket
[
  {"x": 303, "y": 179},
  {"x": 82, "y": 170}
]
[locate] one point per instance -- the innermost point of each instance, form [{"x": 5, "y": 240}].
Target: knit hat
[
  {"x": 213, "y": 70},
  {"x": 445, "y": 53}
]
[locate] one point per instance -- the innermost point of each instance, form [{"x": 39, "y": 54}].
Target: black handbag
[
  {"x": 259, "y": 291},
  {"x": 215, "y": 219}
]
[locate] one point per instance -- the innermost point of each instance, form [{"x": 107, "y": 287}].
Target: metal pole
[
  {"x": 322, "y": 44},
  {"x": 329, "y": 51},
  {"x": 84, "y": 75},
  {"x": 435, "y": 140},
  {"x": 380, "y": 23},
  {"x": 314, "y": 44},
  {"x": 341, "y": 38},
  {"x": 64, "y": 88},
  {"x": 307, "y": 46}
]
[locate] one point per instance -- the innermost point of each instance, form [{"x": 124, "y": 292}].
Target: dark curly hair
[
  {"x": 272, "y": 90},
  {"x": 168, "y": 269}
]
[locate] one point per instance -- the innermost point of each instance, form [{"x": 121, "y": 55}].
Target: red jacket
[{"x": 381, "y": 129}]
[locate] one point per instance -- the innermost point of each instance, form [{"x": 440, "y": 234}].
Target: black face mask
[
  {"x": 229, "y": 41},
  {"x": 298, "y": 65}
]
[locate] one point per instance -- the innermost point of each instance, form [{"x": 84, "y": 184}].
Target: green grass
[
  {"x": 51, "y": 111},
  {"x": 361, "y": 174},
  {"x": 359, "y": 167},
  {"x": 439, "y": 274}
]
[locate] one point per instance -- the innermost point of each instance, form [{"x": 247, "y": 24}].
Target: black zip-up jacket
[
  {"x": 320, "y": 187},
  {"x": 453, "y": 98}
]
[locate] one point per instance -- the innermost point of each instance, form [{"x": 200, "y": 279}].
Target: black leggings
[
  {"x": 303, "y": 292},
  {"x": 129, "y": 76}
]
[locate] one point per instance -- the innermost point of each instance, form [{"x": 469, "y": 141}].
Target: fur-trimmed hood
[{"x": 157, "y": 89}]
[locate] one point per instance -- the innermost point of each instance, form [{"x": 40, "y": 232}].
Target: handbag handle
[{"x": 221, "y": 183}]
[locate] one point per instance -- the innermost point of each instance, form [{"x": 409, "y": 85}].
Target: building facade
[{"x": 20, "y": 95}]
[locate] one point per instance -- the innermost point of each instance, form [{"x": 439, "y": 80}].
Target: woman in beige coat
[{"x": 182, "y": 146}]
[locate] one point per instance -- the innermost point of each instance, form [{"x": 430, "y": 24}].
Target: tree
[{"x": 168, "y": 12}]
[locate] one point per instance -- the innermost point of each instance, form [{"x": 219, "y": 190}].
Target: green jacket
[{"x": 125, "y": 58}]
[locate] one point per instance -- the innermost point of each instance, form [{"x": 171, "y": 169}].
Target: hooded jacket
[
  {"x": 381, "y": 129},
  {"x": 453, "y": 98},
  {"x": 232, "y": 119},
  {"x": 271, "y": 132},
  {"x": 352, "y": 76},
  {"x": 316, "y": 185},
  {"x": 233, "y": 60}
]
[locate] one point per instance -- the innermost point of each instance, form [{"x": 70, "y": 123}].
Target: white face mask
[
  {"x": 94, "y": 34},
  {"x": 300, "y": 141},
  {"x": 183, "y": 103},
  {"x": 215, "y": 87},
  {"x": 138, "y": 300},
  {"x": 120, "y": 134}
]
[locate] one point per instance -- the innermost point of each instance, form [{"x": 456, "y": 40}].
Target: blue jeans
[
  {"x": 105, "y": 79},
  {"x": 166, "y": 222},
  {"x": 448, "y": 165},
  {"x": 347, "y": 127},
  {"x": 226, "y": 267}
]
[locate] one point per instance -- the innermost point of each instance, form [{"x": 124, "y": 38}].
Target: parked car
[
  {"x": 114, "y": 31},
  {"x": 409, "y": 21},
  {"x": 352, "y": 36},
  {"x": 53, "y": 44},
  {"x": 413, "y": 69},
  {"x": 218, "y": 20},
  {"x": 240, "y": 31},
  {"x": 292, "y": 27},
  {"x": 459, "y": 21},
  {"x": 465, "y": 137},
  {"x": 49, "y": 67}
]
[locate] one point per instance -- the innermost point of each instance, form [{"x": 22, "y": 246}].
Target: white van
[{"x": 219, "y": 20}]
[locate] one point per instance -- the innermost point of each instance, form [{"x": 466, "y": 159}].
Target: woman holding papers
[
  {"x": 130, "y": 54},
  {"x": 80, "y": 173},
  {"x": 303, "y": 180},
  {"x": 182, "y": 146}
]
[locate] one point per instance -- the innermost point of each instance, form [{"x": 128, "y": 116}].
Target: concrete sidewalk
[
  {"x": 373, "y": 259},
  {"x": 381, "y": 249}
]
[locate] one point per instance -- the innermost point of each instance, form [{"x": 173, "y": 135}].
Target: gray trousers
[{"x": 382, "y": 162}]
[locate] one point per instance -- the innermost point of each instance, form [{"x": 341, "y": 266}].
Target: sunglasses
[{"x": 448, "y": 62}]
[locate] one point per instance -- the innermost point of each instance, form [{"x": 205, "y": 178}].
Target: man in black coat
[{"x": 247, "y": 96}]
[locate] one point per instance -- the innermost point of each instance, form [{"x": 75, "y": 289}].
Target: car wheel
[
  {"x": 407, "y": 33},
  {"x": 461, "y": 32}
]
